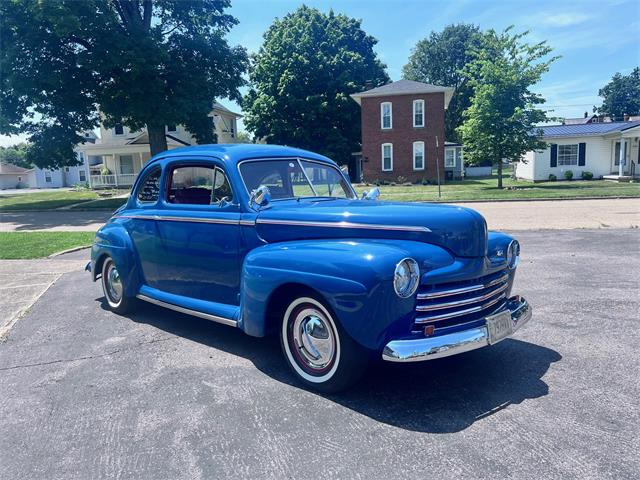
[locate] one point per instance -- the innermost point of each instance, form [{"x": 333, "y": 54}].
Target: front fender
[
  {"x": 354, "y": 276},
  {"x": 113, "y": 240}
]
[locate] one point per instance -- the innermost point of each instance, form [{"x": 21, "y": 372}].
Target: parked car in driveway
[{"x": 273, "y": 239}]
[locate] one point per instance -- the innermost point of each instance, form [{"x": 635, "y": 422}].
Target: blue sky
[{"x": 595, "y": 38}]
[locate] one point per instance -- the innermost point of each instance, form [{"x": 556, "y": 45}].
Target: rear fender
[{"x": 355, "y": 277}]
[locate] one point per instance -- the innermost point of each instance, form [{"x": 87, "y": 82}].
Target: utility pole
[{"x": 438, "y": 167}]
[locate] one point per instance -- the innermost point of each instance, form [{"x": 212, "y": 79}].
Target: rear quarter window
[{"x": 149, "y": 189}]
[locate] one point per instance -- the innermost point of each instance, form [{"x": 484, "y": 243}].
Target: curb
[{"x": 68, "y": 250}]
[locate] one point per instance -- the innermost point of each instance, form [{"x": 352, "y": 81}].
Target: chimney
[{"x": 626, "y": 117}]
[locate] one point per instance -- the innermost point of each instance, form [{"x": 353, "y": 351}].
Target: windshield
[{"x": 295, "y": 178}]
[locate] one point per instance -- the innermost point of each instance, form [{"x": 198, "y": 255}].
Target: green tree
[
  {"x": 501, "y": 122},
  {"x": 301, "y": 80},
  {"x": 621, "y": 96},
  {"x": 244, "y": 137},
  {"x": 145, "y": 63},
  {"x": 15, "y": 155},
  {"x": 440, "y": 59}
]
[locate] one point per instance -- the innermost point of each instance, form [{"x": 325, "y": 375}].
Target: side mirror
[
  {"x": 261, "y": 196},
  {"x": 372, "y": 194}
]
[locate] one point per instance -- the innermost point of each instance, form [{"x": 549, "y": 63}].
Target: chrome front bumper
[{"x": 429, "y": 348}]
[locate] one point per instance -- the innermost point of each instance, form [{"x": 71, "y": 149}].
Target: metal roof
[
  {"x": 236, "y": 152},
  {"x": 589, "y": 129}
]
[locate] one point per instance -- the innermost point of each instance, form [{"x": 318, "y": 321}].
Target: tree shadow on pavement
[{"x": 439, "y": 396}]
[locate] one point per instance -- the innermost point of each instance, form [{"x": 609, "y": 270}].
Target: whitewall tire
[{"x": 317, "y": 349}]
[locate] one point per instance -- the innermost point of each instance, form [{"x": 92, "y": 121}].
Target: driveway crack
[{"x": 90, "y": 357}]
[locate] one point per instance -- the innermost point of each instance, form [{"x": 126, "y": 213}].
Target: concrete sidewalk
[
  {"x": 23, "y": 282},
  {"x": 534, "y": 215}
]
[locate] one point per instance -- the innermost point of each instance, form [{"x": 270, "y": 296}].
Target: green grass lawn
[
  {"x": 486, "y": 189},
  {"x": 20, "y": 245},
  {"x": 101, "y": 204},
  {"x": 51, "y": 200}
]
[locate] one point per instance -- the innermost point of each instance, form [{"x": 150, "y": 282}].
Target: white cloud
[{"x": 564, "y": 19}]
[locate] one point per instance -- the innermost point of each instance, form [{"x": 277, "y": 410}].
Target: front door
[{"x": 198, "y": 234}]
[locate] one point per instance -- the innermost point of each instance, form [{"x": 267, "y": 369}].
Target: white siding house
[
  {"x": 117, "y": 157},
  {"x": 595, "y": 148}
]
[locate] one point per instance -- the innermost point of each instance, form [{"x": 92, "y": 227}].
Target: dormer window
[
  {"x": 386, "y": 115},
  {"x": 418, "y": 113},
  {"x": 172, "y": 128},
  {"x": 118, "y": 129}
]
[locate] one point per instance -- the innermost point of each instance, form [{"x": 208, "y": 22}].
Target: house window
[
  {"x": 449, "y": 157},
  {"x": 568, "y": 154},
  {"x": 418, "y": 155},
  {"x": 118, "y": 129},
  {"x": 19, "y": 179},
  {"x": 66, "y": 169},
  {"x": 126, "y": 164},
  {"x": 418, "y": 113},
  {"x": 617, "y": 153},
  {"x": 82, "y": 175},
  {"x": 47, "y": 177},
  {"x": 172, "y": 128},
  {"x": 387, "y": 157},
  {"x": 386, "y": 115}
]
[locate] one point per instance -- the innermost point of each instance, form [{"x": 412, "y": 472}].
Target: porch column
[{"x": 622, "y": 157}]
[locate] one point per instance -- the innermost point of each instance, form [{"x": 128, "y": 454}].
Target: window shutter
[
  {"x": 554, "y": 155},
  {"x": 582, "y": 148}
]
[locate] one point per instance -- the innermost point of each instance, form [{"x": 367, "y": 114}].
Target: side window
[
  {"x": 197, "y": 185},
  {"x": 149, "y": 189}
]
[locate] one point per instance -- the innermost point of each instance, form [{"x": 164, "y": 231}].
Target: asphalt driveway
[{"x": 89, "y": 394}]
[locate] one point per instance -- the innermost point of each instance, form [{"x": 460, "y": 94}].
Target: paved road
[
  {"x": 89, "y": 394},
  {"x": 559, "y": 214}
]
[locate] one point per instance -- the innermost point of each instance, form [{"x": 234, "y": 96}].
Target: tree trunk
[
  {"x": 500, "y": 173},
  {"x": 157, "y": 139}
]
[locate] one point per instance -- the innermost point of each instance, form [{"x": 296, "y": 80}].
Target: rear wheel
[
  {"x": 113, "y": 288},
  {"x": 318, "y": 350}
]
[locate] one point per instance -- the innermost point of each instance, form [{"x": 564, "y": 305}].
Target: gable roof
[
  {"x": 11, "y": 169},
  {"x": 405, "y": 87},
  {"x": 588, "y": 129}
]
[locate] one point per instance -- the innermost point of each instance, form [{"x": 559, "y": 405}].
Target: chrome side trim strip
[
  {"x": 459, "y": 303},
  {"x": 367, "y": 226},
  {"x": 459, "y": 313},
  {"x": 247, "y": 223},
  {"x": 458, "y": 291},
  {"x": 165, "y": 218},
  {"x": 195, "y": 313}
]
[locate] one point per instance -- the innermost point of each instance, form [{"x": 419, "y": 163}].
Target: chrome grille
[{"x": 451, "y": 304}]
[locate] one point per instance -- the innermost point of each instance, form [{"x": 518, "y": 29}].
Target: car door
[{"x": 198, "y": 233}]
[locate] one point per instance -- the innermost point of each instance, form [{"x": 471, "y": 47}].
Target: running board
[{"x": 195, "y": 313}]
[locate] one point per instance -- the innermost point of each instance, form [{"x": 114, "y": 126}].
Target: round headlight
[
  {"x": 513, "y": 254},
  {"x": 406, "y": 277}
]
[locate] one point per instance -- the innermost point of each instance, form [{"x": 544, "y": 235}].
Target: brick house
[{"x": 400, "y": 123}]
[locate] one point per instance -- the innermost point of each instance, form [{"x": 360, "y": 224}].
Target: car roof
[{"x": 237, "y": 152}]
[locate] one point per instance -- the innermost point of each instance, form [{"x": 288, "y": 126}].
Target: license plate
[{"x": 499, "y": 326}]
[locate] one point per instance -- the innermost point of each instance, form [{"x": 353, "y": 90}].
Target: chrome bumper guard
[{"x": 429, "y": 348}]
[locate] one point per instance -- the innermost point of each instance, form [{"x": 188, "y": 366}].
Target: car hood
[{"x": 460, "y": 230}]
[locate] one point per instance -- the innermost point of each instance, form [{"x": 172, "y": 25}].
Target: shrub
[
  {"x": 587, "y": 175},
  {"x": 568, "y": 175},
  {"x": 401, "y": 179},
  {"x": 552, "y": 177},
  {"x": 424, "y": 181}
]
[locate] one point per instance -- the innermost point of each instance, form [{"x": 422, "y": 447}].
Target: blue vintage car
[{"x": 273, "y": 239}]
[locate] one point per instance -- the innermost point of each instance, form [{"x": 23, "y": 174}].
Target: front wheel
[
  {"x": 318, "y": 350},
  {"x": 113, "y": 288}
]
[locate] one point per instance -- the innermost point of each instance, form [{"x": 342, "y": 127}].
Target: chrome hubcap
[
  {"x": 314, "y": 338},
  {"x": 114, "y": 284}
]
